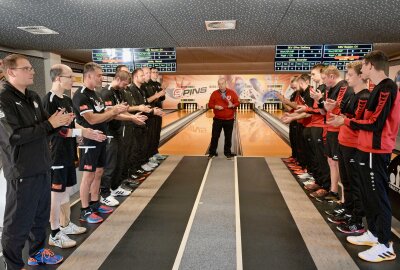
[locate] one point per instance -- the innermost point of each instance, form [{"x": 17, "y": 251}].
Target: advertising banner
[{"x": 257, "y": 89}]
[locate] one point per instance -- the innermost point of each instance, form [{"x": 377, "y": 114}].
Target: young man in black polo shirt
[
  {"x": 26, "y": 162},
  {"x": 63, "y": 150},
  {"x": 111, "y": 181},
  {"x": 91, "y": 113}
]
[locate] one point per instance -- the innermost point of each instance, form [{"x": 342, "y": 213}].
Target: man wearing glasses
[{"x": 26, "y": 160}]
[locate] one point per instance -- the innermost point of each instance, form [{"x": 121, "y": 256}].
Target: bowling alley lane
[
  {"x": 258, "y": 139},
  {"x": 174, "y": 116},
  {"x": 193, "y": 140}
]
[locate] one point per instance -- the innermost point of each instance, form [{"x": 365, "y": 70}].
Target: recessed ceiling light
[
  {"x": 38, "y": 30},
  {"x": 221, "y": 25}
]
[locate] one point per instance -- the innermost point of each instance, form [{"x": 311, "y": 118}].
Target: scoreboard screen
[
  {"x": 164, "y": 59},
  {"x": 109, "y": 59},
  {"x": 341, "y": 54},
  {"x": 297, "y": 57}
]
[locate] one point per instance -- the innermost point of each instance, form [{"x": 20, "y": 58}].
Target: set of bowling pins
[
  {"x": 190, "y": 107},
  {"x": 244, "y": 107},
  {"x": 271, "y": 107}
]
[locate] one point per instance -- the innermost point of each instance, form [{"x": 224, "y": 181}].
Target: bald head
[
  {"x": 59, "y": 69},
  {"x": 222, "y": 84}
]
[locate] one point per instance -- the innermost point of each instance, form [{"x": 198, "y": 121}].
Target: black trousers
[
  {"x": 157, "y": 134},
  {"x": 373, "y": 171},
  {"x": 348, "y": 169},
  {"x": 309, "y": 153},
  {"x": 134, "y": 149},
  {"x": 113, "y": 169},
  {"x": 300, "y": 144},
  {"x": 26, "y": 217},
  {"x": 218, "y": 125},
  {"x": 292, "y": 138},
  {"x": 153, "y": 137},
  {"x": 318, "y": 160}
]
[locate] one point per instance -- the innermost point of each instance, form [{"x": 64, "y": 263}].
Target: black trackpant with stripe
[
  {"x": 26, "y": 217},
  {"x": 373, "y": 170},
  {"x": 348, "y": 169}
]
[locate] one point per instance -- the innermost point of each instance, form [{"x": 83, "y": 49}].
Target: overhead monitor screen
[
  {"x": 109, "y": 59},
  {"x": 164, "y": 59},
  {"x": 341, "y": 54},
  {"x": 297, "y": 57}
]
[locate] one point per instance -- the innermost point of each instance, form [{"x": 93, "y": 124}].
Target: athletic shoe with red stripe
[{"x": 45, "y": 256}]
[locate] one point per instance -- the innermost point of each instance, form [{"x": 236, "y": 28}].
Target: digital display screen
[
  {"x": 341, "y": 54},
  {"x": 109, "y": 59},
  {"x": 164, "y": 59},
  {"x": 297, "y": 57}
]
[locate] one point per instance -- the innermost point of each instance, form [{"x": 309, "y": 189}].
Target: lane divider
[{"x": 239, "y": 258}]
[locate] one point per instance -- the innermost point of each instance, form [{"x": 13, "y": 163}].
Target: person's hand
[
  {"x": 158, "y": 112},
  {"x": 230, "y": 104},
  {"x": 330, "y": 104},
  {"x": 315, "y": 94},
  {"x": 119, "y": 108},
  {"x": 59, "y": 119},
  {"x": 335, "y": 120},
  {"x": 138, "y": 119},
  {"x": 287, "y": 119},
  {"x": 301, "y": 109},
  {"x": 140, "y": 116},
  {"x": 161, "y": 93},
  {"x": 144, "y": 108},
  {"x": 95, "y": 135},
  {"x": 218, "y": 107},
  {"x": 280, "y": 96}
]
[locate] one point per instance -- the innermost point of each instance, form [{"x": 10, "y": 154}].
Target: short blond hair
[
  {"x": 332, "y": 70},
  {"x": 357, "y": 65}
]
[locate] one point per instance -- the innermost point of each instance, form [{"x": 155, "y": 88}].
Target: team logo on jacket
[
  {"x": 99, "y": 106},
  {"x": 228, "y": 97},
  {"x": 35, "y": 104},
  {"x": 1, "y": 114}
]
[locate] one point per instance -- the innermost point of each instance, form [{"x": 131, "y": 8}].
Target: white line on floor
[
  {"x": 239, "y": 261},
  {"x": 185, "y": 238}
]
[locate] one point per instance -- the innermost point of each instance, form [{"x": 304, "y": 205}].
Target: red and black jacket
[
  {"x": 380, "y": 124},
  {"x": 353, "y": 109}
]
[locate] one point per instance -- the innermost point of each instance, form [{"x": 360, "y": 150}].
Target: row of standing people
[
  {"x": 116, "y": 131},
  {"x": 342, "y": 131}
]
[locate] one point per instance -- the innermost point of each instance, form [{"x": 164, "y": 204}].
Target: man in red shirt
[{"x": 223, "y": 102}]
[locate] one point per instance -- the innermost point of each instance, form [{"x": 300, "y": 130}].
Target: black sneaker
[
  {"x": 210, "y": 155},
  {"x": 351, "y": 227},
  {"x": 132, "y": 183},
  {"x": 341, "y": 219},
  {"x": 230, "y": 156},
  {"x": 339, "y": 209}
]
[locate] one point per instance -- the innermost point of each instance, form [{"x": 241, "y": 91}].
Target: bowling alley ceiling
[{"x": 260, "y": 25}]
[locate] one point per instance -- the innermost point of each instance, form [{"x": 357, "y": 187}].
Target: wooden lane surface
[
  {"x": 193, "y": 140},
  {"x": 258, "y": 139},
  {"x": 172, "y": 117}
]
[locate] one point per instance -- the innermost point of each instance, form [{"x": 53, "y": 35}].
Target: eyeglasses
[
  {"x": 69, "y": 77},
  {"x": 25, "y": 68}
]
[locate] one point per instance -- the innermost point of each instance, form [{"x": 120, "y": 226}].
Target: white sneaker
[
  {"x": 309, "y": 182},
  {"x": 109, "y": 201},
  {"x": 147, "y": 168},
  {"x": 159, "y": 157},
  {"x": 152, "y": 164},
  {"x": 73, "y": 229},
  {"x": 61, "y": 240},
  {"x": 304, "y": 176},
  {"x": 366, "y": 239},
  {"x": 120, "y": 192},
  {"x": 378, "y": 253},
  {"x": 154, "y": 160}
]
